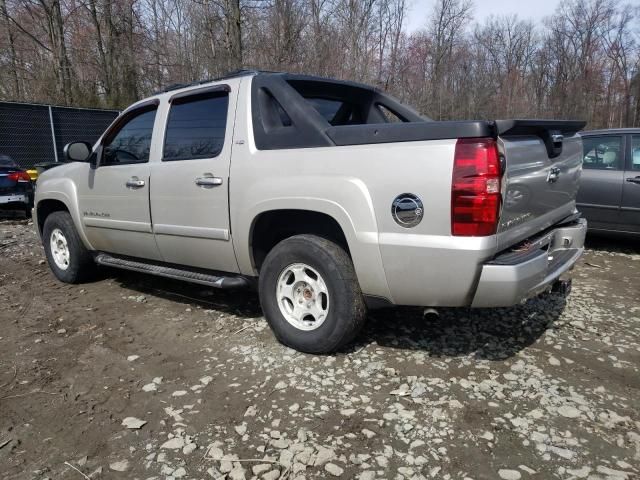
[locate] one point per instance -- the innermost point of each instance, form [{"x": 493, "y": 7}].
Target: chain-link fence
[{"x": 32, "y": 134}]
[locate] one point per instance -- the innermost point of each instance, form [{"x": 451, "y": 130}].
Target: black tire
[
  {"x": 81, "y": 265},
  {"x": 346, "y": 311},
  {"x": 27, "y": 213}
]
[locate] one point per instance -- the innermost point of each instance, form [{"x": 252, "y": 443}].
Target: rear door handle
[
  {"x": 208, "y": 181},
  {"x": 135, "y": 182},
  {"x": 633, "y": 180}
]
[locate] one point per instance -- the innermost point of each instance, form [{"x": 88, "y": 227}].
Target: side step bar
[{"x": 217, "y": 281}]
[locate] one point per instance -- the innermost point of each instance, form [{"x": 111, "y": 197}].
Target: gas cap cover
[{"x": 407, "y": 210}]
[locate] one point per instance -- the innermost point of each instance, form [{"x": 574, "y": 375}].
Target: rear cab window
[
  {"x": 389, "y": 115},
  {"x": 345, "y": 104},
  {"x": 603, "y": 153}
]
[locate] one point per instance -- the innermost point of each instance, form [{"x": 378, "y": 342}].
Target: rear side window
[
  {"x": 196, "y": 127},
  {"x": 602, "y": 153},
  {"x": 635, "y": 152}
]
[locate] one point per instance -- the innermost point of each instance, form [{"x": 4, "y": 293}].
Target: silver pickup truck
[{"x": 328, "y": 196}]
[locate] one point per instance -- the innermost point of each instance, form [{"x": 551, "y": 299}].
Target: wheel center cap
[{"x": 307, "y": 294}]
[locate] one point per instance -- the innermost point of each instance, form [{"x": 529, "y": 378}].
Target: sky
[{"x": 534, "y": 10}]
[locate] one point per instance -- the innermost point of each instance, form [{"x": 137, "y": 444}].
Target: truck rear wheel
[
  {"x": 310, "y": 294},
  {"x": 68, "y": 258}
]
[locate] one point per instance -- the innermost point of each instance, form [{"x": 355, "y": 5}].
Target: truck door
[
  {"x": 114, "y": 201},
  {"x": 190, "y": 185},
  {"x": 630, "y": 210},
  {"x": 600, "y": 191}
]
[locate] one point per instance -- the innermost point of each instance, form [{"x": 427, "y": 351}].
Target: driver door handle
[
  {"x": 208, "y": 181},
  {"x": 633, "y": 179},
  {"x": 135, "y": 182}
]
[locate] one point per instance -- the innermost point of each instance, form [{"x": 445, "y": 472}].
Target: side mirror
[{"x": 77, "y": 151}]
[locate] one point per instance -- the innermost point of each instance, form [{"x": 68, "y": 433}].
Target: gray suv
[{"x": 609, "y": 195}]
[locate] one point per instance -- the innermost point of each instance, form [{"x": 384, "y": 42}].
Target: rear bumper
[
  {"x": 10, "y": 201},
  {"x": 517, "y": 275}
]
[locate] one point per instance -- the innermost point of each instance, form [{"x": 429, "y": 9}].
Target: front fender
[
  {"x": 63, "y": 190},
  {"x": 350, "y": 206}
]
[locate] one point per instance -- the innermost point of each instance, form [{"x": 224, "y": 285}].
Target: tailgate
[{"x": 542, "y": 161}]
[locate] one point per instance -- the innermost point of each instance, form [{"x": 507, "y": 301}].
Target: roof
[
  {"x": 234, "y": 74},
  {"x": 251, "y": 73},
  {"x": 610, "y": 131}
]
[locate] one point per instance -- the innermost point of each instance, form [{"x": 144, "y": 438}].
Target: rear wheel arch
[{"x": 273, "y": 226}]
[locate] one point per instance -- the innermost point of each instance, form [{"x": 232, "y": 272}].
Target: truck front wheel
[
  {"x": 310, "y": 294},
  {"x": 68, "y": 258}
]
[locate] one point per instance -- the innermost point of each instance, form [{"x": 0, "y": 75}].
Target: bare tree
[
  {"x": 13, "y": 62},
  {"x": 581, "y": 62},
  {"x": 623, "y": 51},
  {"x": 448, "y": 21}
]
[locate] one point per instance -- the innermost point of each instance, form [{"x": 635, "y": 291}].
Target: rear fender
[{"x": 351, "y": 207}]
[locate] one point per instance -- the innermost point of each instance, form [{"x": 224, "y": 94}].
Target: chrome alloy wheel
[
  {"x": 59, "y": 249},
  {"x": 302, "y": 296}
]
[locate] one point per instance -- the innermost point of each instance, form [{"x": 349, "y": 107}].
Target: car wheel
[
  {"x": 27, "y": 212},
  {"x": 310, "y": 294},
  {"x": 68, "y": 258}
]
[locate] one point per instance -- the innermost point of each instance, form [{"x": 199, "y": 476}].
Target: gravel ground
[{"x": 140, "y": 377}]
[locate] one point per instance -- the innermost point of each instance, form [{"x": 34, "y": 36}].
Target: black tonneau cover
[
  {"x": 567, "y": 128},
  {"x": 408, "y": 132},
  {"x": 283, "y": 118},
  {"x": 552, "y": 132}
]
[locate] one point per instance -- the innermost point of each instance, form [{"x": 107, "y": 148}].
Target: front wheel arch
[
  {"x": 79, "y": 261},
  {"x": 46, "y": 207}
]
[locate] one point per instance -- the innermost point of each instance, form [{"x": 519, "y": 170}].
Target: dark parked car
[
  {"x": 609, "y": 196},
  {"x": 16, "y": 189}
]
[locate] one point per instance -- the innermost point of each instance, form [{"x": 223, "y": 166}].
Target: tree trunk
[
  {"x": 233, "y": 34},
  {"x": 57, "y": 27},
  {"x": 12, "y": 50},
  {"x": 102, "y": 56}
]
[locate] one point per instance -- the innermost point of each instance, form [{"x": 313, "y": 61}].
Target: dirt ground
[{"x": 549, "y": 389}]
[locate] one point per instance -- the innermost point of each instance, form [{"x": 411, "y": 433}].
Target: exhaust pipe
[
  {"x": 563, "y": 287},
  {"x": 430, "y": 314}
]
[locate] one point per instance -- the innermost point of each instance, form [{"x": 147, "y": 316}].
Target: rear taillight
[
  {"x": 19, "y": 177},
  {"x": 475, "y": 190}
]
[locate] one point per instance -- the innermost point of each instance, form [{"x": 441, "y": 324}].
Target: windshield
[{"x": 6, "y": 161}]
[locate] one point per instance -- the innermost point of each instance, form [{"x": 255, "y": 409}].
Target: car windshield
[{"x": 6, "y": 161}]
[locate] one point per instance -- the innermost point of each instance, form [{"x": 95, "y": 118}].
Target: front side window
[
  {"x": 132, "y": 142},
  {"x": 196, "y": 127},
  {"x": 635, "y": 152},
  {"x": 602, "y": 153}
]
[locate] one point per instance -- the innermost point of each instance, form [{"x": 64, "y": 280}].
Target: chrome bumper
[{"x": 517, "y": 275}]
